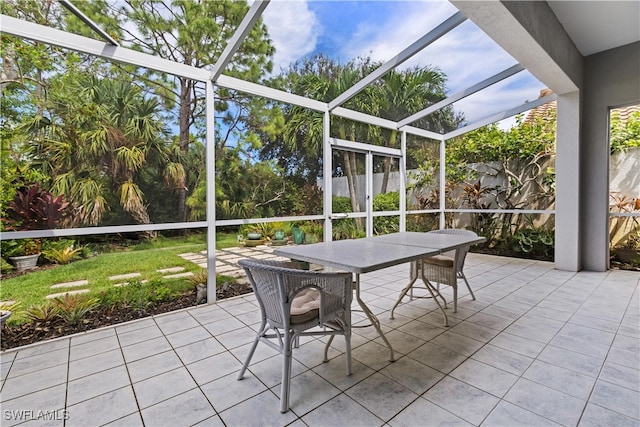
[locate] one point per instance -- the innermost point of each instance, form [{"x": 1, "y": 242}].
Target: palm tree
[{"x": 96, "y": 148}]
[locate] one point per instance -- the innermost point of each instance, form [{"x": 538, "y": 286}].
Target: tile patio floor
[{"x": 539, "y": 347}]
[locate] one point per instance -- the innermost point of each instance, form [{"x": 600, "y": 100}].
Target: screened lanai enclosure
[{"x": 347, "y": 119}]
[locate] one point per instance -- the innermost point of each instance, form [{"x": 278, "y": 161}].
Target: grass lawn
[{"x": 146, "y": 258}]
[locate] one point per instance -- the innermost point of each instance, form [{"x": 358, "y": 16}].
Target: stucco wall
[{"x": 611, "y": 79}]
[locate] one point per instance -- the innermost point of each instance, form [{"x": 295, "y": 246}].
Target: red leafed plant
[{"x": 34, "y": 208}]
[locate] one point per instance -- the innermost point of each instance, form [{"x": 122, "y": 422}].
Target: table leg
[{"x": 372, "y": 318}]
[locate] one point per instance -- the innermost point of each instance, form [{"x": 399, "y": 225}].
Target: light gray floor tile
[
  {"x": 535, "y": 327},
  {"x": 153, "y": 365},
  {"x": 335, "y": 372},
  {"x": 188, "y": 336},
  {"x": 437, "y": 357},
  {"x": 145, "y": 349},
  {"x": 425, "y": 413},
  {"x": 503, "y": 359},
  {"x": 133, "y": 420},
  {"x": 341, "y": 411},
  {"x": 228, "y": 391},
  {"x": 178, "y": 324},
  {"x": 381, "y": 395},
  {"x": 617, "y": 398},
  {"x": 621, "y": 375},
  {"x": 421, "y": 330},
  {"x": 561, "y": 379},
  {"x": 32, "y": 382},
  {"x": 184, "y": 409},
  {"x": 458, "y": 343},
  {"x": 597, "y": 416},
  {"x": 91, "y": 348},
  {"x": 571, "y": 360},
  {"x": 224, "y": 364},
  {"x": 475, "y": 331},
  {"x": 21, "y": 409},
  {"x": 43, "y": 348},
  {"x": 372, "y": 354},
  {"x": 139, "y": 335},
  {"x": 94, "y": 385},
  {"x": 517, "y": 344},
  {"x": 103, "y": 409},
  {"x": 546, "y": 402},
  {"x": 412, "y": 374},
  {"x": 154, "y": 389},
  {"x": 266, "y": 404},
  {"x": 580, "y": 339},
  {"x": 485, "y": 377},
  {"x": 467, "y": 402},
  {"x": 308, "y": 391},
  {"x": 489, "y": 321},
  {"x": 506, "y": 414},
  {"x": 199, "y": 350},
  {"x": 31, "y": 364},
  {"x": 91, "y": 365}
]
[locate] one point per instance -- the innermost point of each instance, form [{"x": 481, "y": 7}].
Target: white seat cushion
[{"x": 305, "y": 306}]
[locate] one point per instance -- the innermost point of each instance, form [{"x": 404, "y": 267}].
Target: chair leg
[
  {"x": 286, "y": 373},
  {"x": 473, "y": 297},
  {"x": 259, "y": 335},
  {"x": 455, "y": 298},
  {"x": 347, "y": 341}
]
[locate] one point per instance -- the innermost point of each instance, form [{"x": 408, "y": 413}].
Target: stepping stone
[
  {"x": 179, "y": 275},
  {"x": 225, "y": 269},
  {"x": 7, "y": 303},
  {"x": 190, "y": 257},
  {"x": 70, "y": 284},
  {"x": 203, "y": 265},
  {"x": 125, "y": 276},
  {"x": 119, "y": 285},
  {"x": 170, "y": 270},
  {"x": 61, "y": 294}
]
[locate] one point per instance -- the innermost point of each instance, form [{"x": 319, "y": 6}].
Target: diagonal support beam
[
  {"x": 243, "y": 30},
  {"x": 500, "y": 116},
  {"x": 433, "y": 35},
  {"x": 84, "y": 18},
  {"x": 462, "y": 94}
]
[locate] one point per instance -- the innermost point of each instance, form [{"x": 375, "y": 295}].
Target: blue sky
[{"x": 381, "y": 29}]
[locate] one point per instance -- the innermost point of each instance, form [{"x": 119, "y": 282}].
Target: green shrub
[
  {"x": 341, "y": 204},
  {"x": 536, "y": 242},
  {"x": 386, "y": 202}
]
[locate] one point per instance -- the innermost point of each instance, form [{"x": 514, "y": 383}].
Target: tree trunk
[{"x": 185, "y": 115}]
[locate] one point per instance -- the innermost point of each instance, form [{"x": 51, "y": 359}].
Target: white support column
[
  {"x": 368, "y": 200},
  {"x": 443, "y": 178},
  {"x": 327, "y": 174},
  {"x": 211, "y": 192},
  {"x": 403, "y": 182},
  {"x": 567, "y": 227}
]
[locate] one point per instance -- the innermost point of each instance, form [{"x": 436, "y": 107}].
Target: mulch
[{"x": 29, "y": 333}]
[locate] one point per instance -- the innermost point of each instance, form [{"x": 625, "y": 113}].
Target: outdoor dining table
[{"x": 369, "y": 254}]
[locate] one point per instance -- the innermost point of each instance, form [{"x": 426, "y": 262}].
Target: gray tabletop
[
  {"x": 446, "y": 242},
  {"x": 358, "y": 255}
]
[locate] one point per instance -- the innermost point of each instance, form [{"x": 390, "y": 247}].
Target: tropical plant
[
  {"x": 22, "y": 247},
  {"x": 73, "y": 308},
  {"x": 41, "y": 314},
  {"x": 62, "y": 256},
  {"x": 34, "y": 208}
]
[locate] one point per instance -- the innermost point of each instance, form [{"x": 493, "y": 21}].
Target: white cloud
[{"x": 294, "y": 30}]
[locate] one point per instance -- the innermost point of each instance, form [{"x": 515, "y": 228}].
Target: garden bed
[{"x": 29, "y": 333}]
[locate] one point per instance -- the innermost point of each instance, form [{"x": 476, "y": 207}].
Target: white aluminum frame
[{"x": 111, "y": 51}]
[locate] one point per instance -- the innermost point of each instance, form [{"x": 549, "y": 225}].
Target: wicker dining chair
[
  {"x": 444, "y": 269},
  {"x": 296, "y": 303},
  {"x": 448, "y": 267}
]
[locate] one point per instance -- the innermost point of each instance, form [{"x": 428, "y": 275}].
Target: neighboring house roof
[{"x": 545, "y": 109}]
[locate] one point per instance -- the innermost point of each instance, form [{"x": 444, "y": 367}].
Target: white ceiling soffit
[{"x": 596, "y": 26}]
